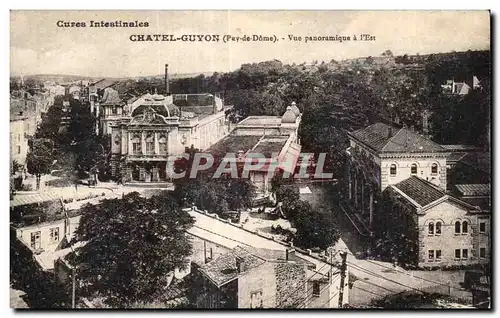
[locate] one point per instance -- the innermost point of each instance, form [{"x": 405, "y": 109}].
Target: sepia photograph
[{"x": 250, "y": 159}]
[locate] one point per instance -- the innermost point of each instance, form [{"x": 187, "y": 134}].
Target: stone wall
[
  {"x": 291, "y": 284},
  {"x": 257, "y": 288},
  {"x": 448, "y": 213}
]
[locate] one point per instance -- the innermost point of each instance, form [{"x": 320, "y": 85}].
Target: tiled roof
[
  {"x": 473, "y": 189},
  {"x": 24, "y": 199},
  {"x": 110, "y": 97},
  {"x": 420, "y": 191},
  {"x": 224, "y": 268},
  {"x": 384, "y": 138},
  {"x": 104, "y": 83},
  {"x": 480, "y": 160}
]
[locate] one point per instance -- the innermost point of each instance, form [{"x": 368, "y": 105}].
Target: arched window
[
  {"x": 438, "y": 228},
  {"x": 434, "y": 169},
  {"x": 413, "y": 168},
  {"x": 136, "y": 144},
  {"x": 457, "y": 227},
  {"x": 431, "y": 228},
  {"x": 465, "y": 227},
  {"x": 393, "y": 170},
  {"x": 163, "y": 144},
  {"x": 150, "y": 144}
]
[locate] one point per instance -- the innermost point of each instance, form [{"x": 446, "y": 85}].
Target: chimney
[
  {"x": 389, "y": 132},
  {"x": 240, "y": 265},
  {"x": 167, "y": 88},
  {"x": 289, "y": 254}
]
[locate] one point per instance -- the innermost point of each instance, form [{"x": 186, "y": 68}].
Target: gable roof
[
  {"x": 384, "y": 138},
  {"x": 224, "y": 268},
  {"x": 420, "y": 191},
  {"x": 422, "y": 194}
]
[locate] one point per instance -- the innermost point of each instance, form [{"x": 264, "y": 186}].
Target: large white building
[{"x": 153, "y": 128}]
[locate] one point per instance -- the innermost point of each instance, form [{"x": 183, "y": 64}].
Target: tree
[
  {"x": 132, "y": 244},
  {"x": 399, "y": 241},
  {"x": 40, "y": 158},
  {"x": 387, "y": 53},
  {"x": 313, "y": 229}
]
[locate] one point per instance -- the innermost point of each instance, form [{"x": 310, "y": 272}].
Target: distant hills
[{"x": 61, "y": 78}]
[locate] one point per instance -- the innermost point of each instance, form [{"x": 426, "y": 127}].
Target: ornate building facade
[{"x": 153, "y": 128}]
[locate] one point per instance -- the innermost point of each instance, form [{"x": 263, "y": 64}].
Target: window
[
  {"x": 431, "y": 255},
  {"x": 431, "y": 228},
  {"x": 465, "y": 228},
  {"x": 256, "y": 299},
  {"x": 150, "y": 144},
  {"x": 136, "y": 145},
  {"x": 457, "y": 227},
  {"x": 438, "y": 228},
  {"x": 54, "y": 234},
  {"x": 438, "y": 255},
  {"x": 457, "y": 253},
  {"x": 18, "y": 150},
  {"x": 482, "y": 252},
  {"x": 393, "y": 170},
  {"x": 434, "y": 169},
  {"x": 35, "y": 240},
  {"x": 163, "y": 145},
  {"x": 482, "y": 227},
  {"x": 413, "y": 168},
  {"x": 464, "y": 253},
  {"x": 316, "y": 289},
  {"x": 115, "y": 110}
]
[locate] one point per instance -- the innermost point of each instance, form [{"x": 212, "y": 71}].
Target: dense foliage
[
  {"x": 217, "y": 195},
  {"x": 132, "y": 244},
  {"x": 397, "y": 231}
]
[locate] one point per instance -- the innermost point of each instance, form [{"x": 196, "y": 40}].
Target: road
[{"x": 375, "y": 279}]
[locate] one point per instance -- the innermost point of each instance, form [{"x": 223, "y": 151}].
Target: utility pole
[
  {"x": 73, "y": 291},
  {"x": 343, "y": 270}
]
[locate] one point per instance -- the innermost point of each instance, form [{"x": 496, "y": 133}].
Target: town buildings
[
  {"x": 461, "y": 88},
  {"x": 450, "y": 231},
  {"x": 154, "y": 128},
  {"x": 274, "y": 138},
  {"x": 41, "y": 223},
  {"x": 239, "y": 268},
  {"x": 448, "y": 213},
  {"x": 381, "y": 155}
]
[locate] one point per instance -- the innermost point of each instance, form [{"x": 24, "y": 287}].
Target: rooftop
[
  {"x": 474, "y": 189},
  {"x": 261, "y": 121},
  {"x": 225, "y": 267},
  {"x": 110, "y": 97},
  {"x": 384, "y": 138},
  {"x": 270, "y": 145},
  {"x": 419, "y": 190},
  {"x": 234, "y": 236},
  {"x": 233, "y": 144},
  {"x": 459, "y": 147},
  {"x": 31, "y": 209}
]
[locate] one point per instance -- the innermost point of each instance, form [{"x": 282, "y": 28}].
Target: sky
[{"x": 39, "y": 46}]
